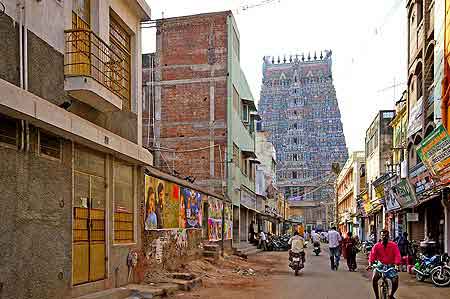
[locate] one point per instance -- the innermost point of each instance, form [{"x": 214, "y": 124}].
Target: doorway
[{"x": 89, "y": 247}]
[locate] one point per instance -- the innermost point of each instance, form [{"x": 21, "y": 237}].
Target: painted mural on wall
[
  {"x": 192, "y": 201},
  {"x": 162, "y": 202}
]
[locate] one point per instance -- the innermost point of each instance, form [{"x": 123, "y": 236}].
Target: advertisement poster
[
  {"x": 404, "y": 194},
  {"x": 434, "y": 151},
  {"x": 192, "y": 201},
  {"x": 390, "y": 200},
  {"x": 214, "y": 219},
  {"x": 415, "y": 124},
  {"x": 228, "y": 222},
  {"x": 162, "y": 202}
]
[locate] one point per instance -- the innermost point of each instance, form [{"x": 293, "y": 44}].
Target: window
[
  {"x": 419, "y": 11},
  {"x": 295, "y": 157},
  {"x": 245, "y": 117},
  {"x": 120, "y": 42},
  {"x": 49, "y": 145},
  {"x": 81, "y": 14},
  {"x": 8, "y": 131},
  {"x": 244, "y": 166},
  {"x": 123, "y": 203},
  {"x": 295, "y": 139},
  {"x": 235, "y": 154},
  {"x": 294, "y": 174}
]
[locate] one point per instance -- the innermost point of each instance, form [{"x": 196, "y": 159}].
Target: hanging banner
[
  {"x": 415, "y": 123},
  {"x": 228, "y": 222},
  {"x": 367, "y": 204},
  {"x": 390, "y": 200},
  {"x": 434, "y": 151},
  {"x": 420, "y": 179},
  {"x": 404, "y": 194}
]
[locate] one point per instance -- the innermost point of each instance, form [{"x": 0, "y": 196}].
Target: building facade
[
  {"x": 350, "y": 182},
  {"x": 299, "y": 108},
  {"x": 378, "y": 147},
  {"x": 199, "y": 112},
  {"x": 71, "y": 156}
]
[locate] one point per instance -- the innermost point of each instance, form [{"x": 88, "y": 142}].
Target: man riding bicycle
[{"x": 387, "y": 253}]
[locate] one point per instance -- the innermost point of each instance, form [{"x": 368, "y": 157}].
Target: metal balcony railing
[{"x": 88, "y": 55}]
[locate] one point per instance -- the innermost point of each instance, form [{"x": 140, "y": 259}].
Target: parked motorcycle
[
  {"x": 440, "y": 275},
  {"x": 367, "y": 247},
  {"x": 297, "y": 261},
  {"x": 435, "y": 267},
  {"x": 316, "y": 248}
]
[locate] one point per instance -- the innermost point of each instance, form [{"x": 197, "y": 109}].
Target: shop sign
[
  {"x": 390, "y": 200},
  {"x": 379, "y": 191},
  {"x": 415, "y": 123},
  {"x": 420, "y": 178},
  {"x": 412, "y": 217},
  {"x": 248, "y": 200},
  {"x": 434, "y": 152},
  {"x": 404, "y": 194},
  {"x": 367, "y": 204}
]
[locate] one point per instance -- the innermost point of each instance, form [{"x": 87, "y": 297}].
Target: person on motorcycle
[
  {"x": 297, "y": 244},
  {"x": 334, "y": 240},
  {"x": 386, "y": 252}
]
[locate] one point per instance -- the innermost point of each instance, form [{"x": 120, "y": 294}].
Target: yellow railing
[{"x": 87, "y": 55}]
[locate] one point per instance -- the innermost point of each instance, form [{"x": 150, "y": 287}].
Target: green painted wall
[{"x": 237, "y": 133}]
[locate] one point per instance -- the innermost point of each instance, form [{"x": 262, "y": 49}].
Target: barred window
[
  {"x": 8, "y": 131},
  {"x": 49, "y": 145},
  {"x": 123, "y": 203}
]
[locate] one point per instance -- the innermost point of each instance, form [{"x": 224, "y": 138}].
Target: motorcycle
[
  {"x": 316, "y": 248},
  {"x": 367, "y": 247},
  {"x": 440, "y": 274},
  {"x": 435, "y": 267},
  {"x": 297, "y": 261}
]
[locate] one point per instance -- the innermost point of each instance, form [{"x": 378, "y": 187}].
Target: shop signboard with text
[
  {"x": 434, "y": 151},
  {"x": 420, "y": 179}
]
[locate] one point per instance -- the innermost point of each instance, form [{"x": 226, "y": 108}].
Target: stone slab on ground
[
  {"x": 116, "y": 293},
  {"x": 184, "y": 276},
  {"x": 145, "y": 289},
  {"x": 186, "y": 285}
]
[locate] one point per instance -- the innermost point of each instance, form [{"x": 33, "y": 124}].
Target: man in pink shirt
[{"x": 386, "y": 252}]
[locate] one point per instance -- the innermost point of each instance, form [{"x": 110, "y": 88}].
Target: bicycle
[{"x": 387, "y": 273}]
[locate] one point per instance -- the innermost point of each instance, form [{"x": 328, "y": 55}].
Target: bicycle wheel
[{"x": 384, "y": 290}]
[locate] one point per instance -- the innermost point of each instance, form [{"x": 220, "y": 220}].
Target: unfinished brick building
[
  {"x": 198, "y": 111},
  {"x": 298, "y": 106}
]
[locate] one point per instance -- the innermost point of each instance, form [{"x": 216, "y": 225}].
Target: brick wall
[{"x": 193, "y": 51}]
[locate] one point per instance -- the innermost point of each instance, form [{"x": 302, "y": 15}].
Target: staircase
[
  {"x": 211, "y": 251},
  {"x": 246, "y": 249}
]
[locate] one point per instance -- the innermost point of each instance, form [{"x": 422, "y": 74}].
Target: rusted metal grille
[{"x": 87, "y": 55}]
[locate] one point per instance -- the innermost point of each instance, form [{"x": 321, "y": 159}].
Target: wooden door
[{"x": 89, "y": 252}]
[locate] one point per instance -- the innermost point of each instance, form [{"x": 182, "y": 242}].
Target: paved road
[{"x": 317, "y": 281}]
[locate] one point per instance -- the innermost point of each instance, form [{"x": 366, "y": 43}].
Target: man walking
[{"x": 333, "y": 243}]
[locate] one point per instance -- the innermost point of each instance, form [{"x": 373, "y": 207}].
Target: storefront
[{"x": 247, "y": 213}]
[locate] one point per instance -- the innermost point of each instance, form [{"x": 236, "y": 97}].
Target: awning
[
  {"x": 256, "y": 161},
  {"x": 249, "y": 154},
  {"x": 250, "y": 103}
]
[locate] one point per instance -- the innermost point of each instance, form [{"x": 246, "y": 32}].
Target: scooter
[
  {"x": 316, "y": 248},
  {"x": 297, "y": 261}
]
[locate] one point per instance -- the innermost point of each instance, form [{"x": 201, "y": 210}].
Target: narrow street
[{"x": 316, "y": 281}]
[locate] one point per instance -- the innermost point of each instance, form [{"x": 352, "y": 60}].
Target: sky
[{"x": 367, "y": 37}]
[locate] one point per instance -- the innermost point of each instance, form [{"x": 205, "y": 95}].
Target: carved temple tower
[{"x": 298, "y": 106}]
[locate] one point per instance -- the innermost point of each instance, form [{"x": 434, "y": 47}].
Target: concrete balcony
[{"x": 95, "y": 73}]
